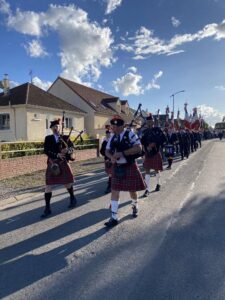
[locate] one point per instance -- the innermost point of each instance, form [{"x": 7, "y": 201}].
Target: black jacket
[
  {"x": 51, "y": 148},
  {"x": 153, "y": 135}
]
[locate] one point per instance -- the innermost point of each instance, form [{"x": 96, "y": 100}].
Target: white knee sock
[
  {"x": 158, "y": 181},
  {"x": 114, "y": 209},
  {"x": 147, "y": 181}
]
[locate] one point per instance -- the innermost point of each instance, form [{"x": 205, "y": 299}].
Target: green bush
[
  {"x": 19, "y": 147},
  {"x": 22, "y": 148}
]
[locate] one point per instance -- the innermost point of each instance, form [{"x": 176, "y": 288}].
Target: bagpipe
[
  {"x": 67, "y": 143},
  {"x": 137, "y": 115}
]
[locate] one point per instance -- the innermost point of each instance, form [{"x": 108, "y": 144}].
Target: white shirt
[{"x": 56, "y": 137}]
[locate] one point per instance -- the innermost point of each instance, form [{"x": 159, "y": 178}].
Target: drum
[{"x": 169, "y": 150}]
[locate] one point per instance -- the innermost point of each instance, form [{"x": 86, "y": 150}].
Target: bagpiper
[
  {"x": 122, "y": 149},
  {"x": 58, "y": 169},
  {"x": 152, "y": 140}
]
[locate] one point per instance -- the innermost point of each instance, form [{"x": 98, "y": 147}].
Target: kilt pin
[
  {"x": 65, "y": 177},
  {"x": 155, "y": 162},
  {"x": 132, "y": 180}
]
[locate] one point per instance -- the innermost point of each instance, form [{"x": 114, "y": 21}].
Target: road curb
[{"x": 18, "y": 198}]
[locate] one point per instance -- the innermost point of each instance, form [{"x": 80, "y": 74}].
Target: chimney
[{"x": 5, "y": 84}]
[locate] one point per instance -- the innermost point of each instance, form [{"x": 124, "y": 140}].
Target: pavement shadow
[
  {"x": 17, "y": 273},
  {"x": 15, "y": 276},
  {"x": 189, "y": 264},
  {"x": 58, "y": 207}
]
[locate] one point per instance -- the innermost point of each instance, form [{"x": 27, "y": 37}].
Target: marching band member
[
  {"x": 152, "y": 140},
  {"x": 184, "y": 142},
  {"x": 122, "y": 149},
  {"x": 58, "y": 170},
  {"x": 170, "y": 147}
]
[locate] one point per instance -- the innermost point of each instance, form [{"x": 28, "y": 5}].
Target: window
[
  {"x": 4, "y": 121},
  {"x": 68, "y": 123},
  {"x": 46, "y": 123}
]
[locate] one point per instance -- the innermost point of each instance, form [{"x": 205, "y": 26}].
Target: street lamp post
[{"x": 174, "y": 95}]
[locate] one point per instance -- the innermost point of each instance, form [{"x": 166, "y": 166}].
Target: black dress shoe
[
  {"x": 111, "y": 223},
  {"x": 157, "y": 188},
  {"x": 46, "y": 213},
  {"x": 135, "y": 211},
  {"x": 73, "y": 202},
  {"x": 146, "y": 194}
]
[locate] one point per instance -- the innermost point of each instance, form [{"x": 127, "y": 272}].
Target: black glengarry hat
[
  {"x": 117, "y": 120},
  {"x": 55, "y": 122}
]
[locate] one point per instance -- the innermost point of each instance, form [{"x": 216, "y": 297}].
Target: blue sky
[{"x": 139, "y": 50}]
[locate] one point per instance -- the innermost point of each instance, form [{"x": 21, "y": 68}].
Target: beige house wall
[
  {"x": 38, "y": 128},
  {"x": 36, "y": 124},
  {"x": 100, "y": 121},
  {"x": 20, "y": 123},
  {"x": 17, "y": 129},
  {"x": 61, "y": 90},
  {"x": 29, "y": 124}
]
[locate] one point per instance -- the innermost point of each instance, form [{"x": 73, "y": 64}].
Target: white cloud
[
  {"x": 153, "y": 83},
  {"x": 145, "y": 43},
  {"x": 132, "y": 69},
  {"x": 210, "y": 114},
  {"x": 44, "y": 85},
  {"x": 112, "y": 5},
  {"x": 28, "y": 22},
  {"x": 129, "y": 84},
  {"x": 13, "y": 84},
  {"x": 220, "y": 87},
  {"x": 175, "y": 22},
  {"x": 35, "y": 49},
  {"x": 4, "y": 7},
  {"x": 85, "y": 46}
]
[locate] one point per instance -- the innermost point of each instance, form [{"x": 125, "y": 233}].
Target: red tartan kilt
[
  {"x": 65, "y": 177},
  {"x": 108, "y": 170},
  {"x": 132, "y": 181},
  {"x": 154, "y": 163}
]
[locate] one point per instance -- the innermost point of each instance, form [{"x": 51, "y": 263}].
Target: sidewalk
[{"x": 32, "y": 185}]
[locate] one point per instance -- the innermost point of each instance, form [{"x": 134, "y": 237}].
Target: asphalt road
[{"x": 175, "y": 249}]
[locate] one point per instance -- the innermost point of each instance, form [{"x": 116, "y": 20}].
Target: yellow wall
[
  {"x": 36, "y": 128},
  {"x": 25, "y": 126},
  {"x": 17, "y": 129}
]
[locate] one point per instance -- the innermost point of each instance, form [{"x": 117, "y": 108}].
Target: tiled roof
[
  {"x": 123, "y": 102},
  {"x": 99, "y": 101},
  {"x": 28, "y": 93}
]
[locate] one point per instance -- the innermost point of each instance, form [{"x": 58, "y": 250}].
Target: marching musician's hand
[
  {"x": 117, "y": 155},
  {"x": 61, "y": 155},
  {"x": 113, "y": 160},
  {"x": 64, "y": 151}
]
